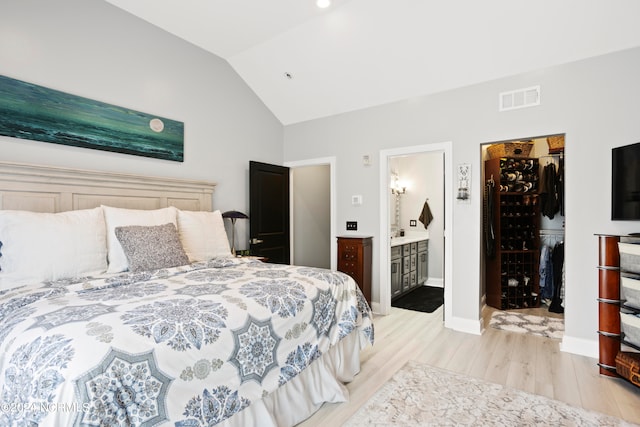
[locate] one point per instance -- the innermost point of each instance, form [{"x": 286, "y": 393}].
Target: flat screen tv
[{"x": 625, "y": 183}]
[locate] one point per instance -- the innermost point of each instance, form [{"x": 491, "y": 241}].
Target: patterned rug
[
  {"x": 421, "y": 395},
  {"x": 549, "y": 327}
]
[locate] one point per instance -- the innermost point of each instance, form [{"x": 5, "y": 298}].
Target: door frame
[
  {"x": 384, "y": 290},
  {"x": 331, "y": 162}
]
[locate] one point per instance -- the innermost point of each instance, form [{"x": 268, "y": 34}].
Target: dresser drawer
[
  {"x": 630, "y": 325},
  {"x": 406, "y": 282},
  {"x": 414, "y": 261},
  {"x": 348, "y": 255},
  {"x": 629, "y": 257},
  {"x": 630, "y": 291},
  {"x": 354, "y": 259},
  {"x": 406, "y": 264},
  {"x": 406, "y": 249},
  {"x": 396, "y": 252},
  {"x": 413, "y": 279}
]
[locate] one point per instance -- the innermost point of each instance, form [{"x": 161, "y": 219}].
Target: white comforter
[{"x": 187, "y": 346}]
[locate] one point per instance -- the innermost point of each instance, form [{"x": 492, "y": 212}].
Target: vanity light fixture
[
  {"x": 398, "y": 190},
  {"x": 322, "y": 4},
  {"x": 398, "y": 186}
]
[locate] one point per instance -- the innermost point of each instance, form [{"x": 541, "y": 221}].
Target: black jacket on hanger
[
  {"x": 560, "y": 185},
  {"x": 548, "y": 191}
]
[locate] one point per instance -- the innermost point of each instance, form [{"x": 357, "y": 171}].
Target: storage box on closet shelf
[
  {"x": 516, "y": 149},
  {"x": 556, "y": 144}
]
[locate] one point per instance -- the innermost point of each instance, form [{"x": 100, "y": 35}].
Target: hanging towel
[{"x": 425, "y": 215}]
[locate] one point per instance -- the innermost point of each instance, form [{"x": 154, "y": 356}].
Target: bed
[{"x": 121, "y": 305}]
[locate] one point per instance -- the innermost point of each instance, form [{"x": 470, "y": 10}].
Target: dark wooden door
[{"x": 269, "y": 211}]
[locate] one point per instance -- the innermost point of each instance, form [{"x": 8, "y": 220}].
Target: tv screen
[{"x": 625, "y": 183}]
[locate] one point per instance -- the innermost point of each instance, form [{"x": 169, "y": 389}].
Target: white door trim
[{"x": 385, "y": 249}]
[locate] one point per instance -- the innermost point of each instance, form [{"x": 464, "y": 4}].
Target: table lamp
[{"x": 234, "y": 215}]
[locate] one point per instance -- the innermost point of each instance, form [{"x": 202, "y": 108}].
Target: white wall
[
  {"x": 93, "y": 49},
  {"x": 596, "y": 102},
  {"x": 312, "y": 216}
]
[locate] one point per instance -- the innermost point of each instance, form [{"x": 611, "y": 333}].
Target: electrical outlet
[
  {"x": 352, "y": 225},
  {"x": 412, "y": 223}
]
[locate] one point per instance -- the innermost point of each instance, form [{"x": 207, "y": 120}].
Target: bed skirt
[{"x": 323, "y": 381}]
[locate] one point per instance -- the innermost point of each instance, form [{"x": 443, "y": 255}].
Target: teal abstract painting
[{"x": 33, "y": 112}]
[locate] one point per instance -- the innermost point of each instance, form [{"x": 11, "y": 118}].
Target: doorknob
[{"x": 255, "y": 241}]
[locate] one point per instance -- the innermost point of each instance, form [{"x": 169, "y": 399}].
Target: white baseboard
[
  {"x": 580, "y": 346},
  {"x": 468, "y": 326},
  {"x": 375, "y": 307},
  {"x": 435, "y": 282}
]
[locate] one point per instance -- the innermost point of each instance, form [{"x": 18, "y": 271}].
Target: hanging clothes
[
  {"x": 425, "y": 216},
  {"x": 560, "y": 185},
  {"x": 489, "y": 233},
  {"x": 558, "y": 266},
  {"x": 546, "y": 274},
  {"x": 548, "y": 191}
]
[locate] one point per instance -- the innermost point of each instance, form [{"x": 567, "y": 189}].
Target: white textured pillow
[
  {"x": 50, "y": 246},
  {"x": 118, "y": 217},
  {"x": 203, "y": 235}
]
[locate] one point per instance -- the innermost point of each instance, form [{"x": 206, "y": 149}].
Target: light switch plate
[
  {"x": 352, "y": 225},
  {"x": 356, "y": 200}
]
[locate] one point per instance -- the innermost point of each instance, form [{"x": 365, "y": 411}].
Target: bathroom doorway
[{"x": 440, "y": 153}]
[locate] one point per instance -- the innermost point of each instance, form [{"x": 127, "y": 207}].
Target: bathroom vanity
[{"x": 409, "y": 263}]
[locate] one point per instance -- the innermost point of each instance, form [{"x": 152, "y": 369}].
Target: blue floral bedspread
[{"x": 186, "y": 346}]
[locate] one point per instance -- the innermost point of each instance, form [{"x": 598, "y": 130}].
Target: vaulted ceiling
[{"x": 305, "y": 62}]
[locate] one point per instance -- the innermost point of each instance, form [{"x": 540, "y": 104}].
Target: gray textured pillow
[{"x": 151, "y": 247}]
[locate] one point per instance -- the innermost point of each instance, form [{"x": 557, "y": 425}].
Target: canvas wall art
[{"x": 33, "y": 112}]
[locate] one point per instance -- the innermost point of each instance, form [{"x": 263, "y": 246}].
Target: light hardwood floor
[{"x": 526, "y": 362}]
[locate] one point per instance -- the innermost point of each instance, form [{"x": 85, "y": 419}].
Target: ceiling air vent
[{"x": 519, "y": 98}]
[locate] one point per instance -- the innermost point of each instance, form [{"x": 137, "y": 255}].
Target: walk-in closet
[{"x": 523, "y": 224}]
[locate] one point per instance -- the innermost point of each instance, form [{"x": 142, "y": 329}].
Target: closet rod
[
  {"x": 552, "y": 155},
  {"x": 544, "y": 232}
]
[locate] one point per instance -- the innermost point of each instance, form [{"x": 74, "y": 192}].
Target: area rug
[
  {"x": 421, "y": 395},
  {"x": 549, "y": 327},
  {"x": 426, "y": 299}
]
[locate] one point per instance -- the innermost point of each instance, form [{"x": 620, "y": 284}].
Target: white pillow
[
  {"x": 203, "y": 235},
  {"x": 51, "y": 246},
  {"x": 118, "y": 217}
]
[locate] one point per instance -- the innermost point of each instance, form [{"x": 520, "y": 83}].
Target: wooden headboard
[{"x": 54, "y": 189}]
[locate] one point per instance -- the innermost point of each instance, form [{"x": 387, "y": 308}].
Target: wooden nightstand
[{"x": 354, "y": 259}]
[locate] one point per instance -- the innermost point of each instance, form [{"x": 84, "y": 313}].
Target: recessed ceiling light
[{"x": 323, "y": 3}]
